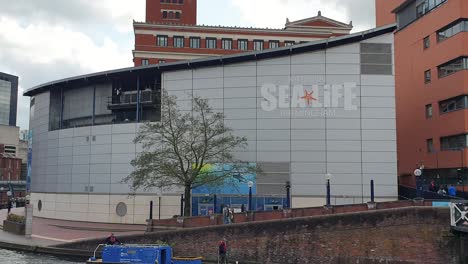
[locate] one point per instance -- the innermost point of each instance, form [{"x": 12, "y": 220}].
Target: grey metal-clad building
[
  {"x": 8, "y": 99},
  {"x": 310, "y": 110}
]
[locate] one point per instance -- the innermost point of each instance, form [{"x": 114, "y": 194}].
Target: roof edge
[
  {"x": 229, "y": 59},
  {"x": 402, "y": 5}
]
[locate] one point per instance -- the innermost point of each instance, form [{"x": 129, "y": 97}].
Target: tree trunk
[{"x": 188, "y": 201}]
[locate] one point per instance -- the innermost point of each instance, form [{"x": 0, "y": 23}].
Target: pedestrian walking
[
  {"x": 222, "y": 252},
  {"x": 9, "y": 205},
  {"x": 231, "y": 215},
  {"x": 432, "y": 187},
  {"x": 226, "y": 215}
]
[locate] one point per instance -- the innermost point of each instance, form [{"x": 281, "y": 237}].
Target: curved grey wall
[{"x": 354, "y": 146}]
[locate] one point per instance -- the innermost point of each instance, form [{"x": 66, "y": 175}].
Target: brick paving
[{"x": 48, "y": 232}]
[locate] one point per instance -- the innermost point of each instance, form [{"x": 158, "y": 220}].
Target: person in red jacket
[
  {"x": 112, "y": 240},
  {"x": 222, "y": 252}
]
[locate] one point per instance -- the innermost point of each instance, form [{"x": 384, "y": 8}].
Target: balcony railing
[{"x": 129, "y": 99}]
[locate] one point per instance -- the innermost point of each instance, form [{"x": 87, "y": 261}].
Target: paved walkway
[{"x": 48, "y": 232}]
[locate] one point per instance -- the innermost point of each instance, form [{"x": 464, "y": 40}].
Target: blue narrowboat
[{"x": 140, "y": 254}]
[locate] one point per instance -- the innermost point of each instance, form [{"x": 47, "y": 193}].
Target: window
[
  {"x": 194, "y": 43},
  {"x": 427, "y": 76},
  {"x": 429, "y": 111},
  {"x": 164, "y": 14},
  {"x": 406, "y": 15},
  {"x": 453, "y": 104},
  {"x": 10, "y": 149},
  {"x": 426, "y": 6},
  {"x": 181, "y": 2},
  {"x": 171, "y": 15},
  {"x": 258, "y": 44},
  {"x": 430, "y": 145},
  {"x": 426, "y": 42},
  {"x": 177, "y": 15},
  {"x": 421, "y": 9},
  {"x": 451, "y": 30},
  {"x": 161, "y": 41},
  {"x": 6, "y": 91},
  {"x": 289, "y": 43},
  {"x": 226, "y": 44},
  {"x": 210, "y": 43},
  {"x": 178, "y": 42},
  {"x": 243, "y": 44},
  {"x": 144, "y": 62},
  {"x": 453, "y": 66},
  {"x": 376, "y": 59},
  {"x": 161, "y": 61},
  {"x": 453, "y": 142},
  {"x": 274, "y": 44}
]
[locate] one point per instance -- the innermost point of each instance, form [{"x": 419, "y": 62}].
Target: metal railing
[
  {"x": 130, "y": 98},
  {"x": 408, "y": 193},
  {"x": 459, "y": 216}
]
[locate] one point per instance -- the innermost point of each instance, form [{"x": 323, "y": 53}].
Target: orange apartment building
[
  {"x": 170, "y": 33},
  {"x": 431, "y": 63}
]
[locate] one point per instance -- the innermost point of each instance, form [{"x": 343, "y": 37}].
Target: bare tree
[{"x": 179, "y": 150}]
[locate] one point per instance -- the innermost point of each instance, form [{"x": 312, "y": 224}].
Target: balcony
[{"x": 129, "y": 99}]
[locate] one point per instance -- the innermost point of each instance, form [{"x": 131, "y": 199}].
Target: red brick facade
[
  {"x": 383, "y": 11},
  {"x": 397, "y": 236},
  {"x": 10, "y": 167},
  {"x": 167, "y": 37}
]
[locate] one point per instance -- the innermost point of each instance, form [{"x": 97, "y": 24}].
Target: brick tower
[{"x": 171, "y": 11}]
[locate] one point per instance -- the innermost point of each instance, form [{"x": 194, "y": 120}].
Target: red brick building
[
  {"x": 10, "y": 175},
  {"x": 383, "y": 11},
  {"x": 431, "y": 64},
  {"x": 10, "y": 166},
  {"x": 170, "y": 33}
]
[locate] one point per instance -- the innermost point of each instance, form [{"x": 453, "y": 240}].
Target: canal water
[{"x": 17, "y": 257}]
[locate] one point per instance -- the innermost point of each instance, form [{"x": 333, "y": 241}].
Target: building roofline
[
  {"x": 286, "y": 30},
  {"x": 8, "y": 75},
  {"x": 338, "y": 24},
  {"x": 227, "y": 59},
  {"x": 403, "y": 5}
]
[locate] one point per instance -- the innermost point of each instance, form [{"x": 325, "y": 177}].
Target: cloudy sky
[{"x": 45, "y": 40}]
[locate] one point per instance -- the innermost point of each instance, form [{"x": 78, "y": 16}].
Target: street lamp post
[
  {"x": 181, "y": 205},
  {"x": 151, "y": 211},
  {"x": 462, "y": 150},
  {"x": 214, "y": 204},
  {"x": 288, "y": 195},
  {"x": 418, "y": 173},
  {"x": 1, "y": 197},
  {"x": 328, "y": 190},
  {"x": 250, "y": 184},
  {"x": 159, "y": 207}
]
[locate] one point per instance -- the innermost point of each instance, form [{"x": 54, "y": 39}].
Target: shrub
[
  {"x": 15, "y": 218},
  {"x": 164, "y": 243}
]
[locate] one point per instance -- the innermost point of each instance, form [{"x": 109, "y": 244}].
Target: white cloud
[
  {"x": 55, "y": 52},
  {"x": 48, "y": 44},
  {"x": 121, "y": 12},
  {"x": 273, "y": 13}
]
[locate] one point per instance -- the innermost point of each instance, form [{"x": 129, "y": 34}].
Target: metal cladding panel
[{"x": 344, "y": 143}]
